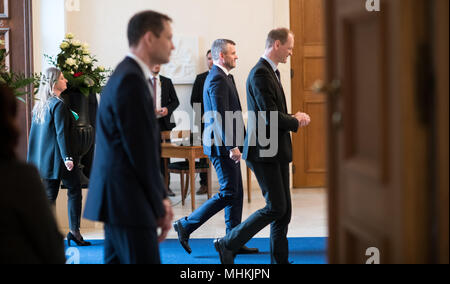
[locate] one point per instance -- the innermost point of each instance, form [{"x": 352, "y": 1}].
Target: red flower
[{"x": 76, "y": 75}]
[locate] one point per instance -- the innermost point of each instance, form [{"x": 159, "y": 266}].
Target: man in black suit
[
  {"x": 222, "y": 141},
  {"x": 126, "y": 189},
  {"x": 270, "y": 163},
  {"x": 165, "y": 102},
  {"x": 197, "y": 103}
]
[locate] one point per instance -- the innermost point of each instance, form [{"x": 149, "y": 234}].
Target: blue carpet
[{"x": 301, "y": 251}]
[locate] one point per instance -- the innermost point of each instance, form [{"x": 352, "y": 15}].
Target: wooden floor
[{"x": 309, "y": 218}]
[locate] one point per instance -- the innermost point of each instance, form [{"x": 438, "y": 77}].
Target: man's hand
[
  {"x": 165, "y": 223},
  {"x": 163, "y": 112},
  {"x": 69, "y": 165},
  {"x": 303, "y": 119},
  {"x": 235, "y": 155}
]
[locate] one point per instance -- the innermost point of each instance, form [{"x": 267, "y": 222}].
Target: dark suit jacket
[
  {"x": 169, "y": 100},
  {"x": 50, "y": 142},
  {"x": 197, "y": 90},
  {"x": 220, "y": 96},
  {"x": 264, "y": 95},
  {"x": 197, "y": 94},
  {"x": 28, "y": 230},
  {"x": 126, "y": 187}
]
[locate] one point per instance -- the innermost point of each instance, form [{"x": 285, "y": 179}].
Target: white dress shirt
[
  {"x": 273, "y": 65},
  {"x": 223, "y": 69}
]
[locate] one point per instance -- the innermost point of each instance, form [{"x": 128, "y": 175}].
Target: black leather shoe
[
  {"x": 183, "y": 237},
  {"x": 226, "y": 255},
  {"x": 247, "y": 250}
]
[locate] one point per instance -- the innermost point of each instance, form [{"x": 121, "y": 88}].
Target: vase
[{"x": 83, "y": 130}]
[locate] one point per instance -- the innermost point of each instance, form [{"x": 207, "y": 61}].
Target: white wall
[
  {"x": 102, "y": 24},
  {"x": 48, "y": 30}
]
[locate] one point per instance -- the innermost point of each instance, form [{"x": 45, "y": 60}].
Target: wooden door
[
  {"x": 380, "y": 184},
  {"x": 15, "y": 30},
  {"x": 308, "y": 62}
]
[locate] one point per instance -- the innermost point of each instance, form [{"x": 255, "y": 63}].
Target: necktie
[
  {"x": 282, "y": 91},
  {"x": 154, "y": 91},
  {"x": 232, "y": 79},
  {"x": 278, "y": 75}
]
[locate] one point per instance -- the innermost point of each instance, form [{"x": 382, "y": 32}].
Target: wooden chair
[{"x": 182, "y": 168}]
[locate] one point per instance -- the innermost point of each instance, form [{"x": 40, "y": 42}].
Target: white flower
[
  {"x": 76, "y": 43},
  {"x": 64, "y": 45},
  {"x": 87, "y": 60},
  {"x": 70, "y": 36},
  {"x": 71, "y": 62},
  {"x": 101, "y": 68}
]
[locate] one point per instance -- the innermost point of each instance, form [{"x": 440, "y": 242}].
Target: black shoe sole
[
  {"x": 217, "y": 247},
  {"x": 175, "y": 227}
]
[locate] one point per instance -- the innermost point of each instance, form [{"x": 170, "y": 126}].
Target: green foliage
[{"x": 16, "y": 81}]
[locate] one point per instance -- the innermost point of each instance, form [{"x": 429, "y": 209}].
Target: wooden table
[{"x": 191, "y": 153}]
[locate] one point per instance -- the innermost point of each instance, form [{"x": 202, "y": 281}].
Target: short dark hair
[
  {"x": 10, "y": 134},
  {"x": 144, "y": 22},
  {"x": 219, "y": 46},
  {"x": 208, "y": 52},
  {"x": 281, "y": 34}
]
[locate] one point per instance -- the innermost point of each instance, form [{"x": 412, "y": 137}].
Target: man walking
[
  {"x": 222, "y": 141},
  {"x": 265, "y": 97},
  {"x": 126, "y": 189}
]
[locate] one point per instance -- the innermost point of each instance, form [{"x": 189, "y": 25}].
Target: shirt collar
[
  {"x": 144, "y": 67},
  {"x": 223, "y": 69},
  {"x": 274, "y": 66}
]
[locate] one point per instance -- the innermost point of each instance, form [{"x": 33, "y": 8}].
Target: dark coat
[
  {"x": 197, "y": 95},
  {"x": 51, "y": 142},
  {"x": 28, "y": 230},
  {"x": 169, "y": 100},
  {"x": 126, "y": 187},
  {"x": 264, "y": 95},
  {"x": 220, "y": 96}
]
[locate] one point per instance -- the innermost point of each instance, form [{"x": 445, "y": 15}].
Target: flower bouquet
[{"x": 77, "y": 65}]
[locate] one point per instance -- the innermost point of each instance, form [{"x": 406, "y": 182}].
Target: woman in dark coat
[
  {"x": 28, "y": 230},
  {"x": 51, "y": 149}
]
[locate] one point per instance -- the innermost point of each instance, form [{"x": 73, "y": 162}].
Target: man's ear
[
  {"x": 277, "y": 44},
  {"x": 148, "y": 37}
]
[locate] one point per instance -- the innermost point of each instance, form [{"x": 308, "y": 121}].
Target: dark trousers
[
  {"x": 273, "y": 178},
  {"x": 131, "y": 245},
  {"x": 71, "y": 180},
  {"x": 204, "y": 176},
  {"x": 229, "y": 198},
  {"x": 163, "y": 170}
]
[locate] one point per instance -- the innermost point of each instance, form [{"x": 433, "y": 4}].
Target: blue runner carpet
[{"x": 301, "y": 251}]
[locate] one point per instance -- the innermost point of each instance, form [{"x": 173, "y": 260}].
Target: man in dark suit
[
  {"x": 270, "y": 163},
  {"x": 222, "y": 141},
  {"x": 197, "y": 103},
  {"x": 165, "y": 102},
  {"x": 126, "y": 189}
]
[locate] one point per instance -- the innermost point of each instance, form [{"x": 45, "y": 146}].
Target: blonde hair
[{"x": 45, "y": 93}]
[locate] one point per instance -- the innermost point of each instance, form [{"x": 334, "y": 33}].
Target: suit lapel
[
  {"x": 231, "y": 85},
  {"x": 280, "y": 94}
]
